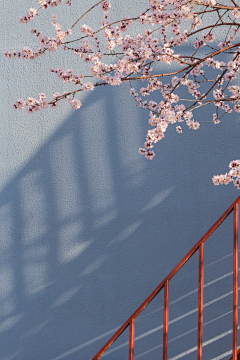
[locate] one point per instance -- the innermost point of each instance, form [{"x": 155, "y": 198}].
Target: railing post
[
  {"x": 165, "y": 320},
  {"x": 131, "y": 339},
  {"x": 235, "y": 281},
  {"x": 200, "y": 300}
]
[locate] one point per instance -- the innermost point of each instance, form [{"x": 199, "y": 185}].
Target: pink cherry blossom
[{"x": 175, "y": 80}]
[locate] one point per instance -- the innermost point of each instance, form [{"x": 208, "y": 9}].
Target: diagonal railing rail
[{"x": 165, "y": 284}]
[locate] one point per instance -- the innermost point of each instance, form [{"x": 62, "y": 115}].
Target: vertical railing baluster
[
  {"x": 165, "y": 320},
  {"x": 235, "y": 281},
  {"x": 200, "y": 300},
  {"x": 131, "y": 339}
]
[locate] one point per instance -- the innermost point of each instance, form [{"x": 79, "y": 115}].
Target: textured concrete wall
[{"x": 88, "y": 227}]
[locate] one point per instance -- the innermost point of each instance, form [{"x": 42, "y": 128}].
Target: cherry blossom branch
[
  {"x": 86, "y": 13},
  {"x": 138, "y": 58}
]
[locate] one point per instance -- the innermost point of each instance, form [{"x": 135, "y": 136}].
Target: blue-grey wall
[{"x": 88, "y": 227}]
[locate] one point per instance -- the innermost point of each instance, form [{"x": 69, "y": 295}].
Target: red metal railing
[{"x": 165, "y": 284}]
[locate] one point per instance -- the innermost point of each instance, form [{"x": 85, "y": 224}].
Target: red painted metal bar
[
  {"x": 200, "y": 300},
  {"x": 235, "y": 281},
  {"x": 238, "y": 355},
  {"x": 169, "y": 277},
  {"x": 131, "y": 339},
  {"x": 165, "y": 320}
]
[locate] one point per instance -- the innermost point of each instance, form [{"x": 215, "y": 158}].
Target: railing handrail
[{"x": 131, "y": 319}]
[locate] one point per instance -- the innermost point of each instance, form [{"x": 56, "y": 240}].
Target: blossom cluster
[
  {"x": 32, "y": 105},
  {"x": 47, "y": 43},
  {"x": 68, "y": 76},
  {"x": 166, "y": 27},
  {"x": 32, "y": 12},
  {"x": 232, "y": 176}
]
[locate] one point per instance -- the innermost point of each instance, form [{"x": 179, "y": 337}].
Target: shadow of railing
[{"x": 88, "y": 225}]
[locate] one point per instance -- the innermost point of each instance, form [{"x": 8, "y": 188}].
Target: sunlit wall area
[{"x": 89, "y": 227}]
